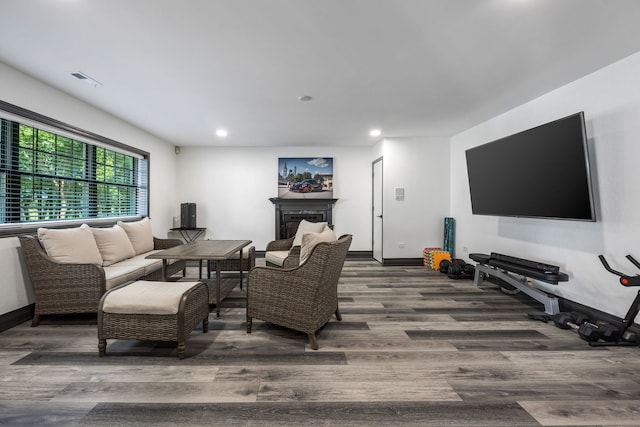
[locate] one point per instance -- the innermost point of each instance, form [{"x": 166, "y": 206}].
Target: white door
[{"x": 377, "y": 210}]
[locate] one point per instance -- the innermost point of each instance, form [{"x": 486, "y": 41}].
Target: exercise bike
[{"x": 628, "y": 281}]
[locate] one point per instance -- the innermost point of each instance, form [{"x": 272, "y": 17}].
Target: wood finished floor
[{"x": 414, "y": 349}]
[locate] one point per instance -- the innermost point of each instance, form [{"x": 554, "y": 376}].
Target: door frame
[{"x": 373, "y": 207}]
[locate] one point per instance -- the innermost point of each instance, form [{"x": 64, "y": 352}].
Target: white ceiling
[{"x": 181, "y": 68}]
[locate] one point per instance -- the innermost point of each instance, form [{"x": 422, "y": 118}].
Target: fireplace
[
  {"x": 291, "y": 221},
  {"x": 289, "y": 213}
]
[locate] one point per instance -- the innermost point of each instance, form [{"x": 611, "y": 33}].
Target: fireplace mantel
[{"x": 289, "y": 212}]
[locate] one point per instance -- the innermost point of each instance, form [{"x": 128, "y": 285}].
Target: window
[{"x": 49, "y": 174}]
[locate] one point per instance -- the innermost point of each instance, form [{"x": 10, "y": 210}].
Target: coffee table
[{"x": 216, "y": 250}]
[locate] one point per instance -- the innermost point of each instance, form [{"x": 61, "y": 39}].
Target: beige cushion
[
  {"x": 310, "y": 240},
  {"x": 148, "y": 265},
  {"x": 117, "y": 274},
  {"x": 140, "y": 234},
  {"x": 307, "y": 227},
  {"x": 113, "y": 244},
  {"x": 70, "y": 245},
  {"x": 276, "y": 257},
  {"x": 145, "y": 297}
]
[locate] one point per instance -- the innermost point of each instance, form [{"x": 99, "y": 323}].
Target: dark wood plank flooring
[{"x": 414, "y": 349}]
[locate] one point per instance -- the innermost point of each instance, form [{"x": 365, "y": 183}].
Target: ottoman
[{"x": 155, "y": 311}]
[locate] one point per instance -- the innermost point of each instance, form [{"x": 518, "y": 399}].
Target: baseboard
[
  {"x": 15, "y": 317},
  {"x": 368, "y": 255},
  {"x": 402, "y": 261},
  {"x": 365, "y": 255}
]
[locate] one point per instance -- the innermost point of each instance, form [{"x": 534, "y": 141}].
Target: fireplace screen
[
  {"x": 291, "y": 221},
  {"x": 305, "y": 178}
]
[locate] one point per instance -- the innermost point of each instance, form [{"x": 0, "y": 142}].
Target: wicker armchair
[
  {"x": 293, "y": 258},
  {"x": 302, "y": 298},
  {"x": 62, "y": 288}
]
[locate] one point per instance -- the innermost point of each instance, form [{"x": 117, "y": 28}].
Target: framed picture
[{"x": 305, "y": 177}]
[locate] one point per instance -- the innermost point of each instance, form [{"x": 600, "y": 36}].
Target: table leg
[
  {"x": 240, "y": 268},
  {"x": 164, "y": 270},
  {"x": 218, "y": 279}
]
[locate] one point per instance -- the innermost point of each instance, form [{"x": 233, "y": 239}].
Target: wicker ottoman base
[{"x": 134, "y": 315}]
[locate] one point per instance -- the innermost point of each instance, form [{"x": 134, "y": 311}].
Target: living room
[{"x": 231, "y": 185}]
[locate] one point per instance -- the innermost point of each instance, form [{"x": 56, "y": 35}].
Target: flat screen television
[{"x": 542, "y": 172}]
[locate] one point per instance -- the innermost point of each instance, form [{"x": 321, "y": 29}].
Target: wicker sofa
[
  {"x": 63, "y": 285},
  {"x": 302, "y": 298}
]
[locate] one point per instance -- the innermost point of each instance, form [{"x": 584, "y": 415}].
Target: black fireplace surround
[{"x": 289, "y": 213}]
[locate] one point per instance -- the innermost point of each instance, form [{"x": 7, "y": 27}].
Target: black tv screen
[{"x": 542, "y": 172}]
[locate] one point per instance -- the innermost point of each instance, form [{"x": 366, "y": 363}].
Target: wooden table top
[{"x": 202, "y": 249}]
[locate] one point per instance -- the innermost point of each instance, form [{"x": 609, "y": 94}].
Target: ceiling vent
[{"x": 83, "y": 77}]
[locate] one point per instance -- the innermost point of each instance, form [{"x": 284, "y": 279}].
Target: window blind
[{"x": 65, "y": 177}]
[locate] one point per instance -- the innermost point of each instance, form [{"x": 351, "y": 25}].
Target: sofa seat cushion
[
  {"x": 131, "y": 269},
  {"x": 117, "y": 274},
  {"x": 146, "y": 297},
  {"x": 276, "y": 257},
  {"x": 148, "y": 265}
]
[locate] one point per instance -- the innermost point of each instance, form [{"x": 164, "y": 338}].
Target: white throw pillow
[
  {"x": 310, "y": 240},
  {"x": 70, "y": 245},
  {"x": 307, "y": 227},
  {"x": 140, "y": 234},
  {"x": 114, "y": 244}
]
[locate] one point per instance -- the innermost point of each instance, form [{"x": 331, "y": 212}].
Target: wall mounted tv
[{"x": 542, "y": 172}]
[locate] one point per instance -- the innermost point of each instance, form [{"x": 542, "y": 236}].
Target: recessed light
[
  {"x": 221, "y": 133},
  {"x": 305, "y": 98},
  {"x": 375, "y": 132}
]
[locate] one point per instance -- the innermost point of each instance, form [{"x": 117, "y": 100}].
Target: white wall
[
  {"x": 26, "y": 92},
  {"x": 610, "y": 99},
  {"x": 232, "y": 187},
  {"x": 421, "y": 167}
]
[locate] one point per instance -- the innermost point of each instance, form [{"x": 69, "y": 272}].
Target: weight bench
[{"x": 498, "y": 265}]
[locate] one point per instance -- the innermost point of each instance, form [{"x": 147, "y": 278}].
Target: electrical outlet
[
  {"x": 401, "y": 244},
  {"x": 465, "y": 249}
]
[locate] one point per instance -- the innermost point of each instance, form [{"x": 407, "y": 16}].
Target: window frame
[{"x": 31, "y": 118}]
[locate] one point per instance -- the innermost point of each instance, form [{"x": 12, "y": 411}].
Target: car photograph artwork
[{"x": 305, "y": 177}]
